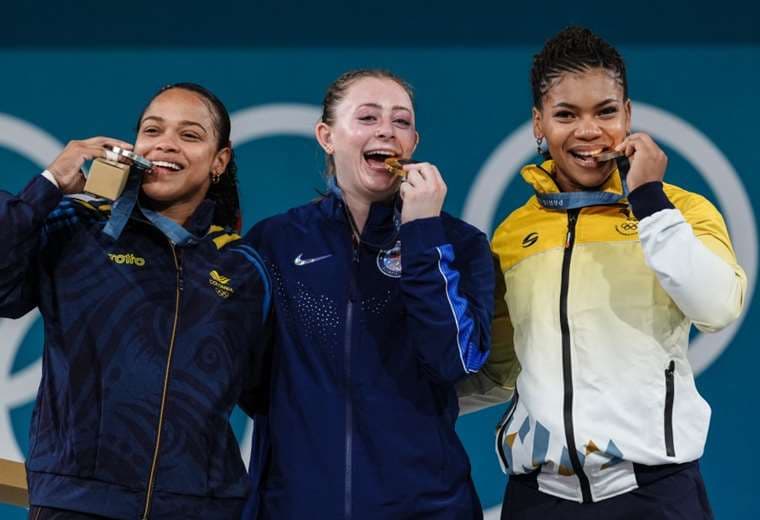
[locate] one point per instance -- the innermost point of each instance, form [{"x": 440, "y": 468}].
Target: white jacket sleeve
[{"x": 691, "y": 255}]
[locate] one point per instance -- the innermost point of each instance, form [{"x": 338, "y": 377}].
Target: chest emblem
[
  {"x": 220, "y": 284},
  {"x": 389, "y": 261},
  {"x": 300, "y": 261},
  {"x": 530, "y": 239},
  {"x": 127, "y": 259},
  {"x": 628, "y": 228}
]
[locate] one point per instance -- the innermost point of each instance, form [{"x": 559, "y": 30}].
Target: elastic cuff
[
  {"x": 648, "y": 199},
  {"x": 49, "y": 176},
  {"x": 422, "y": 234},
  {"x": 42, "y": 195}
]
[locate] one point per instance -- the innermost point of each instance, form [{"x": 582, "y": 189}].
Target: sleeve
[
  {"x": 448, "y": 304},
  {"x": 691, "y": 254},
  {"x": 254, "y": 397},
  {"x": 495, "y": 383},
  {"x": 22, "y": 224}
]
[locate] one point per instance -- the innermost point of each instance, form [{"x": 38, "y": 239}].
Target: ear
[
  {"x": 323, "y": 133},
  {"x": 221, "y": 160},
  {"x": 538, "y": 130},
  {"x": 627, "y": 107},
  {"x": 416, "y": 141}
]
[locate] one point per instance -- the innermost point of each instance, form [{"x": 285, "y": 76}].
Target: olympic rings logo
[{"x": 482, "y": 201}]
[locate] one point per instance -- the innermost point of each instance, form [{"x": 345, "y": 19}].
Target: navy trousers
[{"x": 678, "y": 495}]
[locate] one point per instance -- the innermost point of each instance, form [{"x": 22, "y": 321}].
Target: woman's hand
[
  {"x": 67, "y": 167},
  {"x": 423, "y": 192},
  {"x": 648, "y": 161}
]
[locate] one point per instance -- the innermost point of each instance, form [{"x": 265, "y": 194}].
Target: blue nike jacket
[
  {"x": 148, "y": 347},
  {"x": 369, "y": 342}
]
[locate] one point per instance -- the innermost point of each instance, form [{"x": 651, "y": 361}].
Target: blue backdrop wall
[{"x": 473, "y": 103}]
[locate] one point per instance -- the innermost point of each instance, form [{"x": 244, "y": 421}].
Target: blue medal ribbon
[
  {"x": 582, "y": 199},
  {"x": 124, "y": 206}
]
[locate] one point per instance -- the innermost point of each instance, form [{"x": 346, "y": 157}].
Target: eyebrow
[
  {"x": 562, "y": 104},
  {"x": 375, "y": 105},
  {"x": 181, "y": 123}
]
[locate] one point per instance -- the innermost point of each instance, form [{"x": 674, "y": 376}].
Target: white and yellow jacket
[{"x": 600, "y": 301}]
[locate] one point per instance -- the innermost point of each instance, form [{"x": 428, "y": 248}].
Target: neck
[
  {"x": 359, "y": 209},
  {"x": 179, "y": 212}
]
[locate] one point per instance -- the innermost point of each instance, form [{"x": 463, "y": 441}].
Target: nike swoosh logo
[{"x": 299, "y": 261}]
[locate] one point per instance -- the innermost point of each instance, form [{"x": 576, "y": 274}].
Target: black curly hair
[
  {"x": 225, "y": 192},
  {"x": 574, "y": 49}
]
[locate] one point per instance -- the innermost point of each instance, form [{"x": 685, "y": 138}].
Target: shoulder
[
  {"x": 458, "y": 230},
  {"x": 691, "y": 205},
  {"x": 272, "y": 228},
  {"x": 520, "y": 217},
  {"x": 470, "y": 243}
]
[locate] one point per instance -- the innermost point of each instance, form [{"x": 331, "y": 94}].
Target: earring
[
  {"x": 541, "y": 146},
  {"x": 329, "y": 150},
  {"x": 215, "y": 178}
]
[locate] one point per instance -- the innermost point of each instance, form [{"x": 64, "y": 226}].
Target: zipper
[
  {"x": 347, "y": 510},
  {"x": 669, "y": 395},
  {"x": 567, "y": 368},
  {"x": 501, "y": 429},
  {"x": 165, "y": 391}
]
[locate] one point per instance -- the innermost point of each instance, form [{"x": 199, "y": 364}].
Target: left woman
[{"x": 146, "y": 349}]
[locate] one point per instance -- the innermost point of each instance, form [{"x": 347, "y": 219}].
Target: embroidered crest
[
  {"x": 220, "y": 284},
  {"x": 629, "y": 227},
  {"x": 389, "y": 261}
]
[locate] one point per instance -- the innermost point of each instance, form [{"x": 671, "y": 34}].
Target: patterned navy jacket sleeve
[
  {"x": 448, "y": 300},
  {"x": 22, "y": 221}
]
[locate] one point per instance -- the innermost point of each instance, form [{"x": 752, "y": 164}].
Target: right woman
[
  {"x": 383, "y": 303},
  {"x": 606, "y": 268}
]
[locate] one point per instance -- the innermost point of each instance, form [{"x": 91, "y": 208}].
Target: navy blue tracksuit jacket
[
  {"x": 369, "y": 342},
  {"x": 148, "y": 347}
]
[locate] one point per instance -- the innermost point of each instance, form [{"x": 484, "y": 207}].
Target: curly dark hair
[
  {"x": 225, "y": 192},
  {"x": 574, "y": 49}
]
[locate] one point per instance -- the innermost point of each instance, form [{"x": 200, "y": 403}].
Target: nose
[
  {"x": 587, "y": 129},
  {"x": 167, "y": 143},
  {"x": 384, "y": 129}
]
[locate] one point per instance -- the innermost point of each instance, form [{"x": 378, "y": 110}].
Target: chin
[
  {"x": 159, "y": 193},
  {"x": 380, "y": 184},
  {"x": 590, "y": 181}
]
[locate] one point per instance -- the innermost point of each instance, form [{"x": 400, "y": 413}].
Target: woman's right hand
[{"x": 67, "y": 167}]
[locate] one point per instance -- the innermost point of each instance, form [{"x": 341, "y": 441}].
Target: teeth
[
  {"x": 387, "y": 153},
  {"x": 588, "y": 153},
  {"x": 165, "y": 164}
]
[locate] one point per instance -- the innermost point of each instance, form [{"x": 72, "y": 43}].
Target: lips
[{"x": 586, "y": 156}]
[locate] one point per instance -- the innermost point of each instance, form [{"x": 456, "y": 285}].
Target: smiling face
[
  {"x": 178, "y": 133},
  {"x": 372, "y": 121},
  {"x": 582, "y": 114}
]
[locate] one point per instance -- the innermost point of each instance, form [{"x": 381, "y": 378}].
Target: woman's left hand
[
  {"x": 648, "y": 161},
  {"x": 423, "y": 192}
]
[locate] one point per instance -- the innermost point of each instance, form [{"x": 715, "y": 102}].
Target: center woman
[{"x": 383, "y": 302}]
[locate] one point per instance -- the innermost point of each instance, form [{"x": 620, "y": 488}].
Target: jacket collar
[{"x": 383, "y": 221}]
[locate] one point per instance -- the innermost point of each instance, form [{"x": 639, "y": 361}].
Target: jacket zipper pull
[
  {"x": 355, "y": 249},
  {"x": 570, "y": 227}
]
